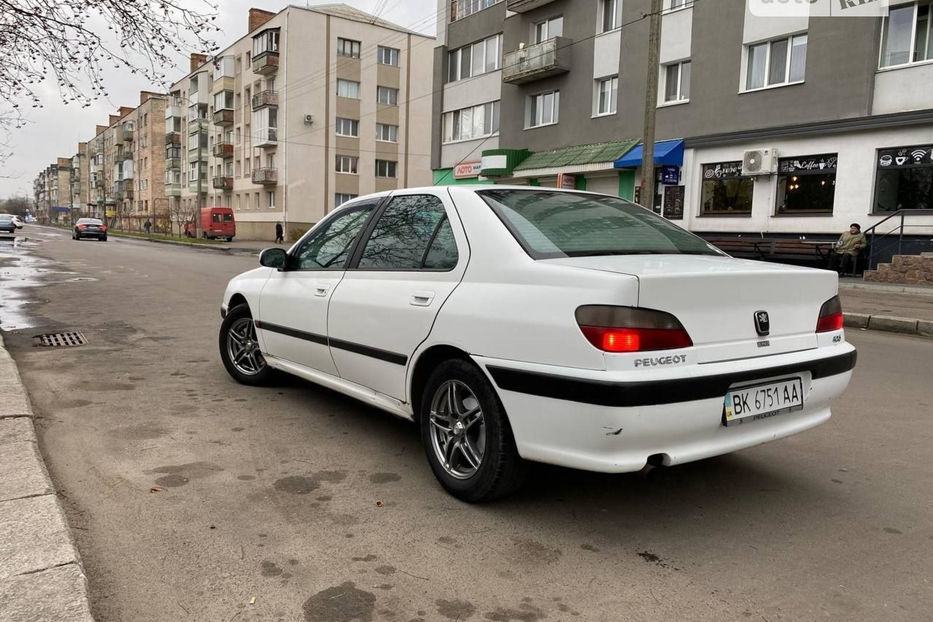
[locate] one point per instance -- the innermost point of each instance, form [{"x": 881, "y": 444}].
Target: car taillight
[
  {"x": 830, "y": 316},
  {"x": 627, "y": 329},
  {"x": 81, "y": 226},
  {"x": 103, "y": 227}
]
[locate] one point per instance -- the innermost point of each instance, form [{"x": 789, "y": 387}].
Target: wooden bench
[
  {"x": 746, "y": 248},
  {"x": 770, "y": 249}
]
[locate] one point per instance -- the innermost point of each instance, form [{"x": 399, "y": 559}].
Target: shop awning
[
  {"x": 578, "y": 155},
  {"x": 665, "y": 152}
]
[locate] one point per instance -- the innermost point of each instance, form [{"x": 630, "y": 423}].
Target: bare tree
[
  {"x": 16, "y": 205},
  {"x": 59, "y": 38}
]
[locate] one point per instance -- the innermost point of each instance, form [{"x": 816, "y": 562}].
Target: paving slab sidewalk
[
  {"x": 41, "y": 577},
  {"x": 884, "y": 306}
]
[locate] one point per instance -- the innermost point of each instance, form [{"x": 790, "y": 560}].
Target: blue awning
[{"x": 665, "y": 152}]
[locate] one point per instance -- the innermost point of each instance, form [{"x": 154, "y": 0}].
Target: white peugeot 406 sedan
[{"x": 517, "y": 323}]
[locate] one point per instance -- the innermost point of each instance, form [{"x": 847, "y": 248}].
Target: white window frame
[
  {"x": 347, "y": 165},
  {"x": 270, "y": 199},
  {"x": 747, "y": 57},
  {"x": 458, "y": 119},
  {"x": 388, "y": 56},
  {"x": 341, "y": 197},
  {"x": 466, "y": 8},
  {"x": 676, "y": 5},
  {"x": 342, "y": 126},
  {"x": 348, "y": 45},
  {"x": 389, "y": 166},
  {"x": 484, "y": 44},
  {"x": 548, "y": 32},
  {"x": 533, "y": 108},
  {"x": 615, "y": 6},
  {"x": 613, "y": 99},
  {"x": 386, "y": 129},
  {"x": 662, "y": 92},
  {"x": 913, "y": 36},
  {"x": 348, "y": 84},
  {"x": 392, "y": 95}
]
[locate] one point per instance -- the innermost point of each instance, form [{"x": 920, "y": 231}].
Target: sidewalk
[
  {"x": 886, "y": 306},
  {"x": 41, "y": 578}
]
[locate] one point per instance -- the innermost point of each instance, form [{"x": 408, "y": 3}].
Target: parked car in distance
[
  {"x": 89, "y": 228},
  {"x": 519, "y": 324},
  {"x": 16, "y": 220},
  {"x": 8, "y": 223},
  {"x": 216, "y": 222}
]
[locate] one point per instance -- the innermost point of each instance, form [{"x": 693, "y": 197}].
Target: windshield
[
  {"x": 565, "y": 224},
  {"x": 89, "y": 221}
]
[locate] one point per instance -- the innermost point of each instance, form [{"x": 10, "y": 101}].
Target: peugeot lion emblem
[{"x": 762, "y": 323}]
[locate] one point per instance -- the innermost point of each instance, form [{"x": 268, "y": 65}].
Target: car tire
[
  {"x": 239, "y": 349},
  {"x": 103, "y": 239},
  {"x": 470, "y": 446}
]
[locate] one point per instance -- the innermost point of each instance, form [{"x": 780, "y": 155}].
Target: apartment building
[
  {"x": 788, "y": 125},
  {"x": 80, "y": 179},
  {"x": 52, "y": 192},
  {"x": 312, "y": 107},
  {"x": 139, "y": 186},
  {"x": 96, "y": 200}
]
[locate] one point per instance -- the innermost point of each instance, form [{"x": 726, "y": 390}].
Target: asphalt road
[{"x": 194, "y": 498}]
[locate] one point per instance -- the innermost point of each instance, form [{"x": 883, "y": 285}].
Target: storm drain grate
[{"x": 61, "y": 340}]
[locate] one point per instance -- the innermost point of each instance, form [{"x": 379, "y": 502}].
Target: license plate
[{"x": 746, "y": 403}]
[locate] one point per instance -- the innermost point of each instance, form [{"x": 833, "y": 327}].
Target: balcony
[
  {"x": 125, "y": 133},
  {"x": 222, "y": 150},
  {"x": 173, "y": 111},
  {"x": 197, "y": 155},
  {"x": 543, "y": 60},
  {"x": 173, "y": 158},
  {"x": 224, "y": 117},
  {"x": 173, "y": 190},
  {"x": 266, "y": 63},
  {"x": 173, "y": 138},
  {"x": 265, "y": 176},
  {"x": 222, "y": 183},
  {"x": 265, "y": 137},
  {"x": 193, "y": 185},
  {"x": 266, "y": 99},
  {"x": 198, "y": 124},
  {"x": 523, "y": 6},
  {"x": 123, "y": 190}
]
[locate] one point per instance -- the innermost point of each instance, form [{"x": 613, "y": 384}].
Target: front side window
[
  {"x": 348, "y": 127},
  {"x": 904, "y": 179},
  {"x": 348, "y": 88},
  {"x": 782, "y": 61},
  {"x": 387, "y": 56},
  {"x": 348, "y": 48},
  {"x": 347, "y": 164},
  {"x": 610, "y": 14},
  {"x": 387, "y": 95},
  {"x": 471, "y": 123},
  {"x": 385, "y": 168},
  {"x": 806, "y": 184},
  {"x": 906, "y": 35},
  {"x": 548, "y": 29},
  {"x": 405, "y": 235},
  {"x": 607, "y": 91},
  {"x": 543, "y": 109},
  {"x": 387, "y": 133},
  {"x": 566, "y": 224},
  {"x": 329, "y": 246},
  {"x": 677, "y": 82},
  {"x": 725, "y": 190}
]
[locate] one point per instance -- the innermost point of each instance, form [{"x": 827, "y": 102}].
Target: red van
[{"x": 216, "y": 222}]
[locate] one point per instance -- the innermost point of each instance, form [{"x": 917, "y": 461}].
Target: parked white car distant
[{"x": 525, "y": 324}]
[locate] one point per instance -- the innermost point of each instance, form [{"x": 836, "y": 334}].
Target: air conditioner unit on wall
[{"x": 759, "y": 162}]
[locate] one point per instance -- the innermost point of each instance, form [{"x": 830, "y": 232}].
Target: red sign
[
  {"x": 467, "y": 169},
  {"x": 565, "y": 181}
]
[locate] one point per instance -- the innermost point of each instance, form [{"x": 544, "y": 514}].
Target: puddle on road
[{"x": 19, "y": 273}]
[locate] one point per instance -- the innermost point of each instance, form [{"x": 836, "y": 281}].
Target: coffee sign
[
  {"x": 905, "y": 157},
  {"x": 825, "y": 163},
  {"x": 722, "y": 170}
]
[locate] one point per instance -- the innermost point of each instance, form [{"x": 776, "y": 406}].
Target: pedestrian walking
[
  {"x": 147, "y": 226},
  {"x": 278, "y": 233}
]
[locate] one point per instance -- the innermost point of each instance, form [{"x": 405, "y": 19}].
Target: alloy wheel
[
  {"x": 458, "y": 429},
  {"x": 243, "y": 349}
]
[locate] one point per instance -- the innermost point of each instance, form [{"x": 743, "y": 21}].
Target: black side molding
[
  {"x": 653, "y": 392},
  {"x": 349, "y": 346}
]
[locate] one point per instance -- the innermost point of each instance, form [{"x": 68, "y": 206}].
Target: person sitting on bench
[{"x": 844, "y": 253}]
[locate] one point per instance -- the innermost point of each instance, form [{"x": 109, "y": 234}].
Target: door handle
[
  {"x": 321, "y": 290},
  {"x": 422, "y": 299}
]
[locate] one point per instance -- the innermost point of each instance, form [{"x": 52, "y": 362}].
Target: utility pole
[
  {"x": 651, "y": 104},
  {"x": 197, "y": 209}
]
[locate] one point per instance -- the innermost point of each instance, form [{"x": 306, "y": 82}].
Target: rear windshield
[
  {"x": 567, "y": 224},
  {"x": 89, "y": 221}
]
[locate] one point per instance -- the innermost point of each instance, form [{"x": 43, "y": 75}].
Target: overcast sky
[{"x": 56, "y": 129}]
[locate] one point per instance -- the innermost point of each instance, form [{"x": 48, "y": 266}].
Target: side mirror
[{"x": 273, "y": 258}]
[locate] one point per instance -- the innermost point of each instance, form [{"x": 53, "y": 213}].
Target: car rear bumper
[
  {"x": 615, "y": 421},
  {"x": 93, "y": 234}
]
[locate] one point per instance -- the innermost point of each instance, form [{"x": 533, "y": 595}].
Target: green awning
[{"x": 578, "y": 155}]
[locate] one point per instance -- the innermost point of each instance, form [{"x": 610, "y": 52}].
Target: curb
[
  {"x": 889, "y": 323},
  {"x": 41, "y": 575}
]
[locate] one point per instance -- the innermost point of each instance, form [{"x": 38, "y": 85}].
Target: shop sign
[
  {"x": 825, "y": 163},
  {"x": 722, "y": 170},
  {"x": 467, "y": 169},
  {"x": 670, "y": 175},
  {"x": 904, "y": 157},
  {"x": 674, "y": 202},
  {"x": 565, "y": 181}
]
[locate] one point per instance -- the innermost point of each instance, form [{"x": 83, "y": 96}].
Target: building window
[
  {"x": 348, "y": 88},
  {"x": 387, "y": 56},
  {"x": 806, "y": 184},
  {"x": 906, "y": 35},
  {"x": 610, "y": 14},
  {"x": 677, "y": 82},
  {"x": 348, "y": 127},
  {"x": 348, "y": 47},
  {"x": 673, "y": 5},
  {"x": 725, "y": 190},
  {"x": 462, "y": 8},
  {"x": 607, "y": 91},
  {"x": 548, "y": 29},
  {"x": 347, "y": 164},
  {"x": 471, "y": 123},
  {"x": 385, "y": 168},
  {"x": 387, "y": 133},
  {"x": 386, "y": 95},
  {"x": 270, "y": 199},
  {"x": 341, "y": 198},
  {"x": 904, "y": 179},
  {"x": 542, "y": 109},
  {"x": 475, "y": 59},
  {"x": 266, "y": 41},
  {"x": 256, "y": 201},
  {"x": 782, "y": 61}
]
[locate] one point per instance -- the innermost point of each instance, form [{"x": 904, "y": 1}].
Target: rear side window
[
  {"x": 567, "y": 224},
  {"x": 410, "y": 235},
  {"x": 228, "y": 217}
]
